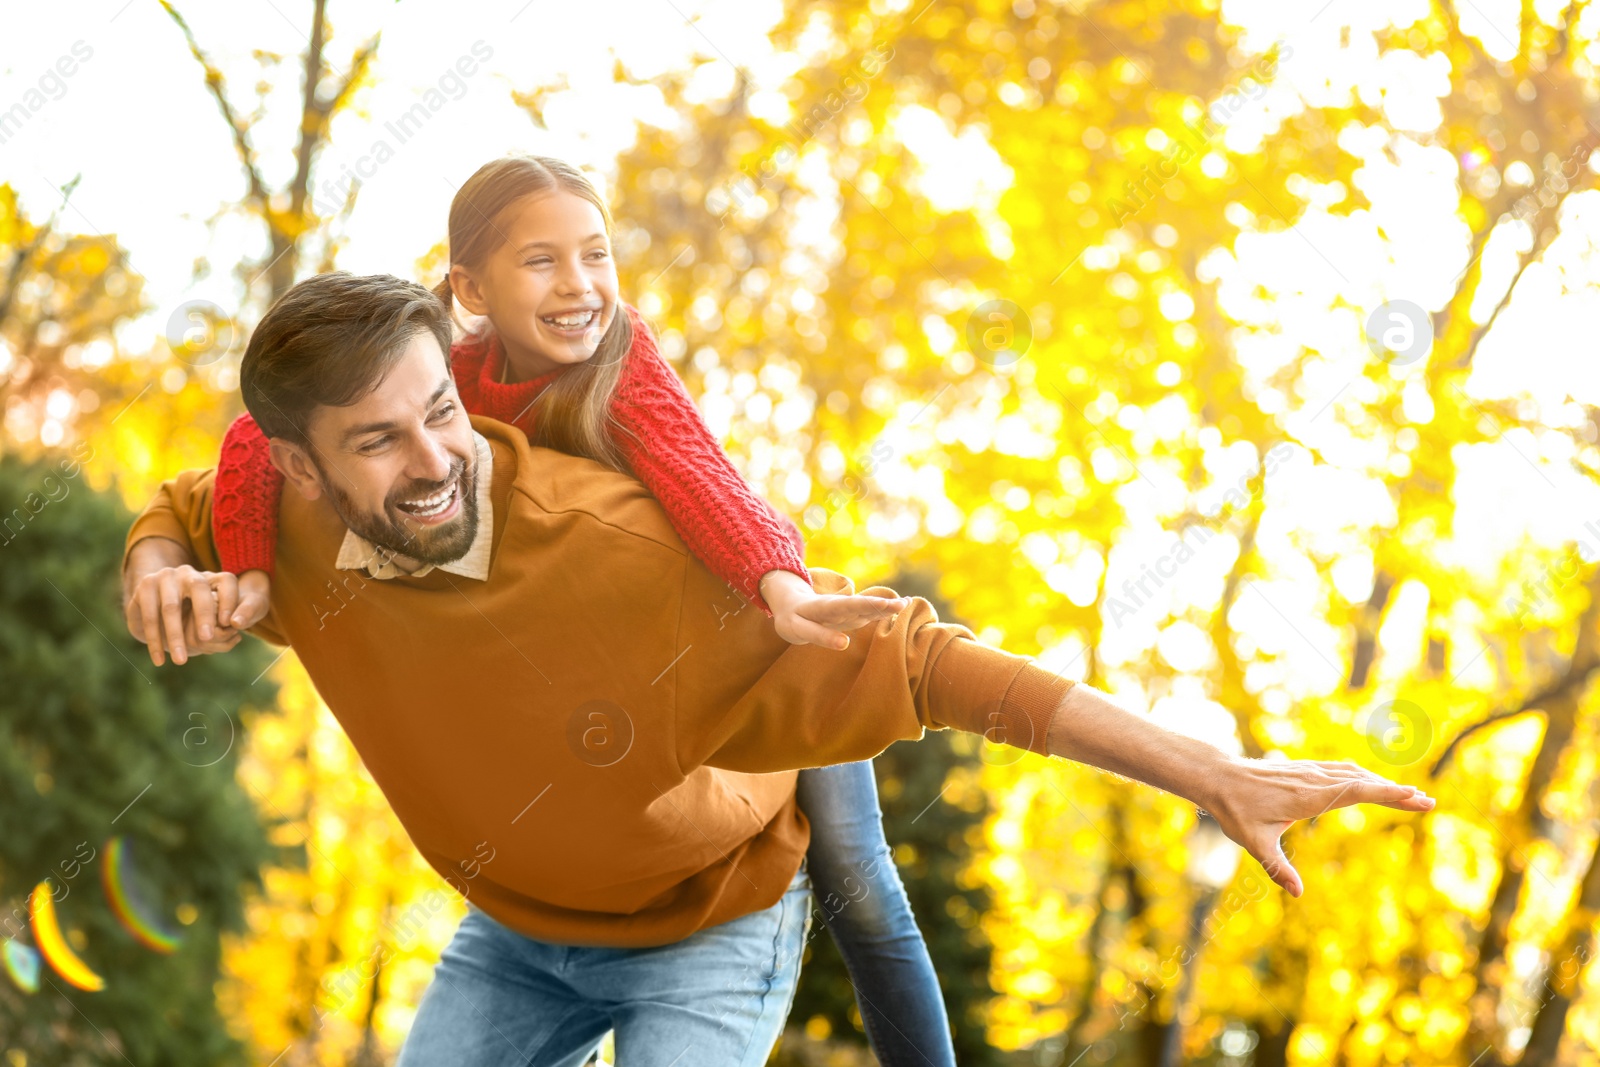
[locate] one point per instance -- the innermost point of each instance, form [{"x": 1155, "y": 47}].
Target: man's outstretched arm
[{"x": 1254, "y": 801}]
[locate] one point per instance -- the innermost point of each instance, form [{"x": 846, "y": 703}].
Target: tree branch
[
  {"x": 312, "y": 118},
  {"x": 1585, "y": 660},
  {"x": 1239, "y": 700},
  {"x": 218, "y": 88},
  {"x": 1524, "y": 260}
]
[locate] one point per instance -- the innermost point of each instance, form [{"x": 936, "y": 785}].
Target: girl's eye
[
  {"x": 599, "y": 253},
  {"x": 542, "y": 261}
]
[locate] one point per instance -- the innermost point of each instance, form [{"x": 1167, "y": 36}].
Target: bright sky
[{"x": 157, "y": 162}]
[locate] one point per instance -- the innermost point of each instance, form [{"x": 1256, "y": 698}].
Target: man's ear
[
  {"x": 294, "y": 462},
  {"x": 465, "y": 291}
]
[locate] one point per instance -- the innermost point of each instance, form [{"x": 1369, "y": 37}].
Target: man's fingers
[
  {"x": 149, "y": 599},
  {"x": 1418, "y": 801},
  {"x": 172, "y": 615},
  {"x": 1278, "y": 867},
  {"x": 221, "y": 640},
  {"x": 227, "y": 590},
  {"x": 1360, "y": 791},
  {"x": 202, "y": 599}
]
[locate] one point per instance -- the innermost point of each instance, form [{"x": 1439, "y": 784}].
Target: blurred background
[{"x": 1237, "y": 357}]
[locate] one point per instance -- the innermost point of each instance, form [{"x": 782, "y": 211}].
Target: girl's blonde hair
[{"x": 573, "y": 414}]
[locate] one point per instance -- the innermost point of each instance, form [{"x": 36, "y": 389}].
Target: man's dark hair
[{"x": 331, "y": 340}]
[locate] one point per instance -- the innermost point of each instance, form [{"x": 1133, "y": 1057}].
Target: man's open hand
[
  {"x": 173, "y": 607},
  {"x": 1255, "y": 801}
]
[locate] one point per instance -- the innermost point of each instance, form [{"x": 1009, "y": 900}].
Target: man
[{"x": 579, "y": 726}]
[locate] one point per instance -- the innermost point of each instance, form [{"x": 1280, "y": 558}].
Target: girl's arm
[
  {"x": 739, "y": 536},
  {"x": 244, "y": 517}
]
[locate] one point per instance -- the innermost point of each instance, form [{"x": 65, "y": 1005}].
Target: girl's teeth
[{"x": 569, "y": 322}]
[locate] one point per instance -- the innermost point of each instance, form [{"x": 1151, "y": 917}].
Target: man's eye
[
  {"x": 374, "y": 447},
  {"x": 445, "y": 413}
]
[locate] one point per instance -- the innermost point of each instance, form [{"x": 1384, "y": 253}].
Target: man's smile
[{"x": 440, "y": 506}]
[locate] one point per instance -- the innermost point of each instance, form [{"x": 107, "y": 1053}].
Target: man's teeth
[
  {"x": 572, "y": 322},
  {"x": 430, "y": 505}
]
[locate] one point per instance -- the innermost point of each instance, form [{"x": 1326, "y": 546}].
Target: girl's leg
[{"x": 859, "y": 893}]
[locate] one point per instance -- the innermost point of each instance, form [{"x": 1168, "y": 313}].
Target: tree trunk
[
  {"x": 1365, "y": 653},
  {"x": 1566, "y": 969},
  {"x": 1272, "y": 1048},
  {"x": 1526, "y": 825},
  {"x": 1072, "y": 1034}
]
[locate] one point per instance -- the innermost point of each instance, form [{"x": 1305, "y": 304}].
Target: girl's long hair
[{"x": 573, "y": 414}]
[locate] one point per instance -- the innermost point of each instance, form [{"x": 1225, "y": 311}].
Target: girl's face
[{"x": 550, "y": 289}]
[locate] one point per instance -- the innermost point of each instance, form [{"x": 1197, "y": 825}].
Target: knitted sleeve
[
  {"x": 244, "y": 515},
  {"x": 738, "y": 535}
]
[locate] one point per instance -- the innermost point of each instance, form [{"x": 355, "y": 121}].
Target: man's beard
[{"x": 426, "y": 544}]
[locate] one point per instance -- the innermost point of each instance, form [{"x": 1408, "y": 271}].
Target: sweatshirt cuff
[
  {"x": 1008, "y": 699},
  {"x": 154, "y": 523}
]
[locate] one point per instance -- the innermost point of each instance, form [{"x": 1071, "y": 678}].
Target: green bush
[{"x": 99, "y": 742}]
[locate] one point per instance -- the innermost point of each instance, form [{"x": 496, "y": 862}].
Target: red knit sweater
[{"x": 738, "y": 535}]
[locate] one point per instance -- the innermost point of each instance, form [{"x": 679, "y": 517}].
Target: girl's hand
[
  {"x": 255, "y": 599},
  {"x": 803, "y": 616}
]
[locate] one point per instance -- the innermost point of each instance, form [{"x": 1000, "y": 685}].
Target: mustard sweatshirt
[{"x": 597, "y": 744}]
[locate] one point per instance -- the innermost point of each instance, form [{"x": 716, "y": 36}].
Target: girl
[{"x": 563, "y": 360}]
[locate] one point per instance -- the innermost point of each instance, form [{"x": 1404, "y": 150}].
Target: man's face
[{"x": 399, "y": 465}]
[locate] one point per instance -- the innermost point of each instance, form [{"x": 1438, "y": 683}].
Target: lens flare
[
  {"x": 22, "y": 964},
  {"x": 116, "y": 875},
  {"x": 53, "y": 946}
]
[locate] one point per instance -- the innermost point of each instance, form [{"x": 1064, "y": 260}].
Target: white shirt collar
[{"x": 357, "y": 553}]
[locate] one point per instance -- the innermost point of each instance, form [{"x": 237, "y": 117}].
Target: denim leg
[
  {"x": 718, "y": 998},
  {"x": 496, "y": 1001},
  {"x": 863, "y": 902}
]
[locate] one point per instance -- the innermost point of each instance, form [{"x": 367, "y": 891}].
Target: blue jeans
[
  {"x": 863, "y": 902},
  {"x": 716, "y": 998}
]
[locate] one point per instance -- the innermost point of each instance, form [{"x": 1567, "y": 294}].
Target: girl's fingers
[
  {"x": 847, "y": 615},
  {"x": 811, "y": 633},
  {"x": 203, "y": 602},
  {"x": 851, "y": 611}
]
